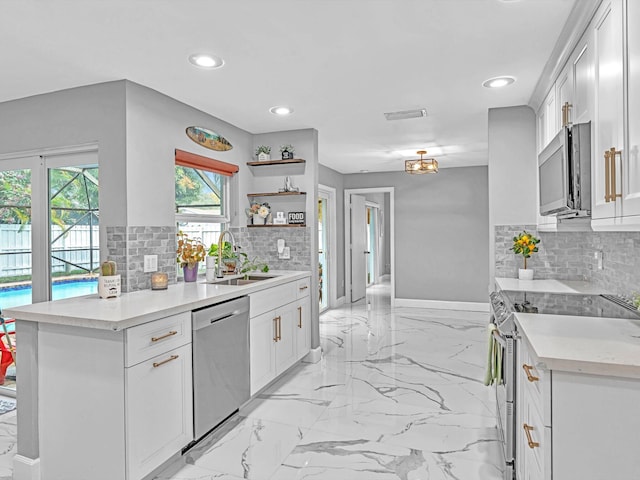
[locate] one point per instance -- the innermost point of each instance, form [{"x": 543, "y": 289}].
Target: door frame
[
  {"x": 376, "y": 248},
  {"x": 329, "y": 193},
  {"x": 347, "y": 236}
]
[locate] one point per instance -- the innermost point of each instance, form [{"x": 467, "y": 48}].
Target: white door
[{"x": 358, "y": 247}]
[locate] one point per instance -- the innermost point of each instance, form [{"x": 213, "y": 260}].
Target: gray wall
[
  {"x": 512, "y": 171},
  {"x": 331, "y": 178},
  {"x": 441, "y": 232}
]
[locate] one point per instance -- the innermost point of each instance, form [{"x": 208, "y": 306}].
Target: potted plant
[
  {"x": 190, "y": 252},
  {"x": 526, "y": 245},
  {"x": 229, "y": 257},
  {"x": 259, "y": 213},
  {"x": 263, "y": 152},
  {"x": 286, "y": 151},
  {"x": 109, "y": 280},
  {"x": 251, "y": 265}
]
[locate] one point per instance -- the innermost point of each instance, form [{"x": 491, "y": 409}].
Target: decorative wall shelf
[
  {"x": 294, "y": 166},
  {"x": 278, "y": 226},
  {"x": 276, "y": 194}
]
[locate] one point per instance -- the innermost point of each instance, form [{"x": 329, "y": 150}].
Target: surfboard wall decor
[{"x": 208, "y": 139}]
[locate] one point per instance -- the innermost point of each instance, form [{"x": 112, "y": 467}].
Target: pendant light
[{"x": 424, "y": 165}]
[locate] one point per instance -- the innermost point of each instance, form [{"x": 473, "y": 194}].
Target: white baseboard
[
  {"x": 339, "y": 301},
  {"x": 442, "y": 305},
  {"x": 314, "y": 355},
  {"x": 25, "y": 468}
]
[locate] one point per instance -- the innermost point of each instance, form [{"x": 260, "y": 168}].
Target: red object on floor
[{"x": 6, "y": 357}]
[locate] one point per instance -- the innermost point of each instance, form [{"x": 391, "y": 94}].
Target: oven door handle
[{"x": 499, "y": 338}]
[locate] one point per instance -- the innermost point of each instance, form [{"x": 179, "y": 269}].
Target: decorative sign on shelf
[
  {"x": 296, "y": 218},
  {"x": 279, "y": 220}
]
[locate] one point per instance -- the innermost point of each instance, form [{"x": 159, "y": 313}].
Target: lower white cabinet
[
  {"x": 279, "y": 336},
  {"x": 573, "y": 425},
  {"x": 159, "y": 410},
  {"x": 109, "y": 411}
]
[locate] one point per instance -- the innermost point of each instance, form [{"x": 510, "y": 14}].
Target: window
[{"x": 202, "y": 196}]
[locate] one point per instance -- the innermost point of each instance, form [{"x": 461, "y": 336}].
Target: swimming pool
[{"x": 21, "y": 295}]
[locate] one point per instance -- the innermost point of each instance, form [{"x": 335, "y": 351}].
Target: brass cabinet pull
[
  {"x": 565, "y": 113},
  {"x": 279, "y": 328},
  {"x": 607, "y": 181},
  {"x": 166, "y": 335},
  {"x": 299, "y": 317},
  {"x": 528, "y": 368},
  {"x": 304, "y": 287},
  {"x": 275, "y": 329},
  {"x": 171, "y": 358},
  {"x": 527, "y": 431},
  {"x": 612, "y": 190}
]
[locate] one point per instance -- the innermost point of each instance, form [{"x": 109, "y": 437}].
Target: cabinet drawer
[
  {"x": 534, "y": 429},
  {"x": 154, "y": 338},
  {"x": 271, "y": 298},
  {"x": 303, "y": 287},
  {"x": 533, "y": 377}
]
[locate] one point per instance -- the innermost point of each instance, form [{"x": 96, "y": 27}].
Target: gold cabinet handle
[
  {"x": 304, "y": 287},
  {"x": 565, "y": 113},
  {"x": 612, "y": 156},
  {"x": 275, "y": 329},
  {"x": 166, "y": 335},
  {"x": 528, "y": 368},
  {"x": 527, "y": 431},
  {"x": 607, "y": 175},
  {"x": 170, "y": 359},
  {"x": 299, "y": 317},
  {"x": 279, "y": 328}
]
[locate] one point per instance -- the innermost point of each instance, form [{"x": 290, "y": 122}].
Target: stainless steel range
[{"x": 504, "y": 304}]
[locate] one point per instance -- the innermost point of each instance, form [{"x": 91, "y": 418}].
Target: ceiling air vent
[{"x": 404, "y": 114}]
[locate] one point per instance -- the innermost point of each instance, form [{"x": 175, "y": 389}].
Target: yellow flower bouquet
[{"x": 526, "y": 245}]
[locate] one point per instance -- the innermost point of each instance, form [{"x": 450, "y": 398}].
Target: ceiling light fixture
[
  {"x": 497, "y": 82},
  {"x": 405, "y": 114},
  {"x": 424, "y": 165},
  {"x": 281, "y": 110},
  {"x": 204, "y": 60}
]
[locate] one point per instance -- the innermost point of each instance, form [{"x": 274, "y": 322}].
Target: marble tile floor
[
  {"x": 8, "y": 446},
  {"x": 398, "y": 394}
]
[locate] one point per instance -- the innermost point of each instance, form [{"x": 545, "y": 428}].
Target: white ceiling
[{"x": 339, "y": 63}]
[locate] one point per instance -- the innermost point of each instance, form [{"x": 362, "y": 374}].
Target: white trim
[
  {"x": 329, "y": 193},
  {"x": 442, "y": 305},
  {"x": 367, "y": 203},
  {"x": 314, "y": 355},
  {"x": 340, "y": 301},
  {"x": 48, "y": 152},
  {"x": 25, "y": 468},
  {"x": 347, "y": 236}
]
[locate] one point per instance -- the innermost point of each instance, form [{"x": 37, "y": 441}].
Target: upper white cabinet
[
  {"x": 547, "y": 120},
  {"x": 631, "y": 183}
]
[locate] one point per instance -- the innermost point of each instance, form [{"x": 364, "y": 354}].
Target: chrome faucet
[{"x": 219, "y": 271}]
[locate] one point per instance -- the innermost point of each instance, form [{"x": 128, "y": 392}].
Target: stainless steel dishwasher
[{"x": 220, "y": 362}]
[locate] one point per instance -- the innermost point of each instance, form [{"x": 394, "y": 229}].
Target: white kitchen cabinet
[
  {"x": 274, "y": 335},
  {"x": 303, "y": 327},
  {"x": 564, "y": 96},
  {"x": 128, "y": 417},
  {"x": 547, "y": 124},
  {"x": 581, "y": 426},
  {"x": 159, "y": 410},
  {"x": 608, "y": 129}
]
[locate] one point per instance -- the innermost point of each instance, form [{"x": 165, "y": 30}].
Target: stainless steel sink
[{"x": 242, "y": 280}]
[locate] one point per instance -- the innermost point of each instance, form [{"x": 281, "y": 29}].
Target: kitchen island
[{"x": 105, "y": 386}]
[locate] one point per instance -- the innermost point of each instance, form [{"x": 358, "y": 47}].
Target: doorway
[
  {"x": 327, "y": 254},
  {"x": 49, "y": 231},
  {"x": 360, "y": 236}
]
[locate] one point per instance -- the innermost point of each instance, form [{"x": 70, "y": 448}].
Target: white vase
[
  {"x": 525, "y": 273},
  {"x": 109, "y": 286},
  {"x": 258, "y": 220},
  {"x": 210, "y": 261},
  {"x": 263, "y": 157}
]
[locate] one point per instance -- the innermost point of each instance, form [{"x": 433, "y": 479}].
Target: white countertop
[
  {"x": 134, "y": 308},
  {"x": 594, "y": 345},
  {"x": 549, "y": 286}
]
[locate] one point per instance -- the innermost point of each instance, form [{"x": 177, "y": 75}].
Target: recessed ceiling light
[
  {"x": 281, "y": 110},
  {"x": 204, "y": 60},
  {"x": 497, "y": 82}
]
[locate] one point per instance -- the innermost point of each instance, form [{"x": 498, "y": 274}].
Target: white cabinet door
[
  {"x": 631, "y": 183},
  {"x": 262, "y": 340},
  {"x": 286, "y": 345},
  {"x": 303, "y": 327},
  {"x": 158, "y": 410},
  {"x": 609, "y": 118},
  {"x": 582, "y": 107},
  {"x": 564, "y": 97}
]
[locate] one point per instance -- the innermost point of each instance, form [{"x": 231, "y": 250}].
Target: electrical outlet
[
  {"x": 286, "y": 253},
  {"x": 150, "y": 263}
]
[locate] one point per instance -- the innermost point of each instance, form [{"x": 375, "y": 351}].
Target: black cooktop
[{"x": 568, "y": 304}]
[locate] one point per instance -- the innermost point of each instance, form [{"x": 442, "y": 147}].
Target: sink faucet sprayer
[{"x": 219, "y": 273}]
